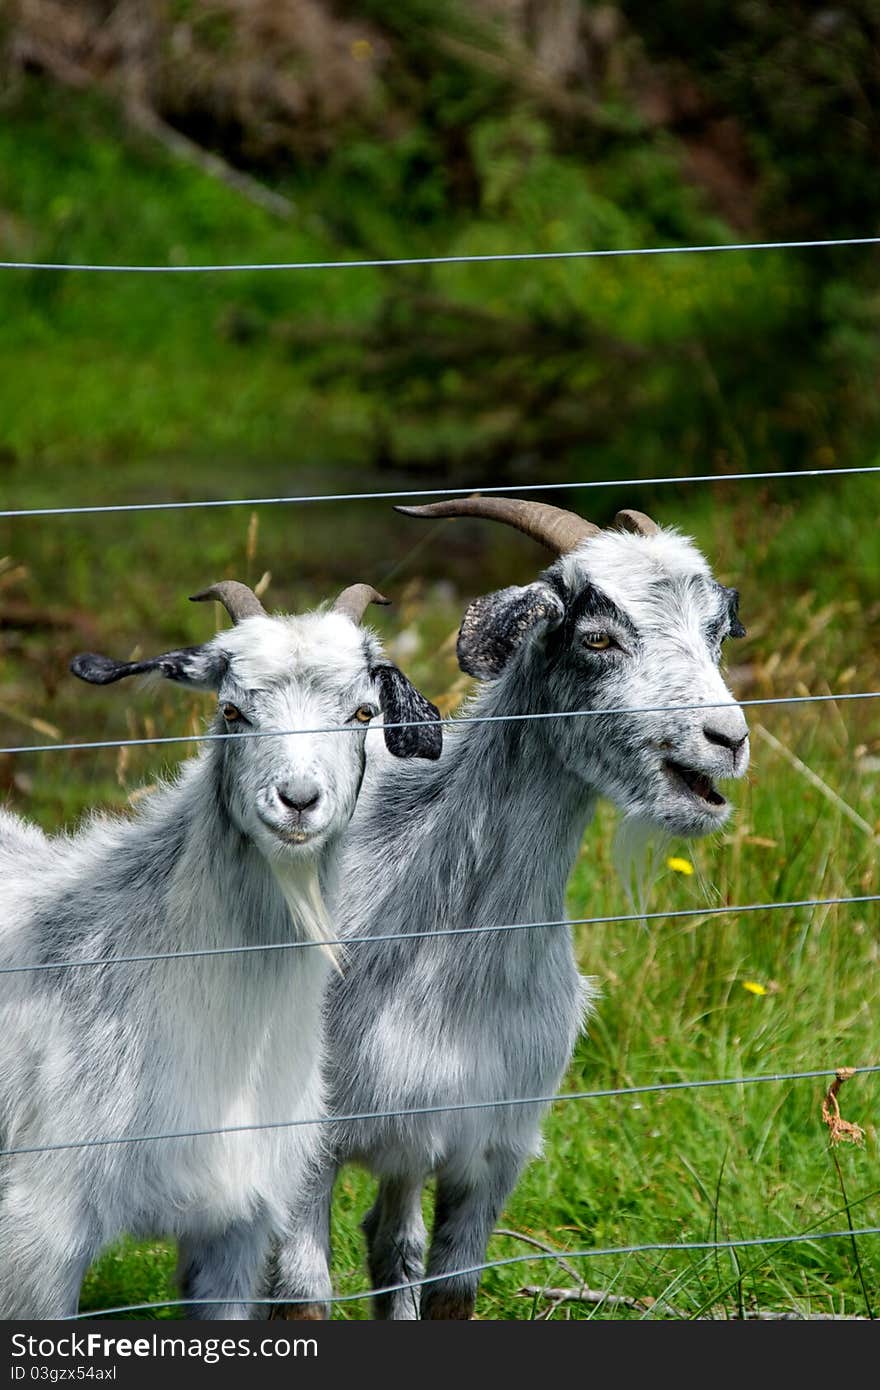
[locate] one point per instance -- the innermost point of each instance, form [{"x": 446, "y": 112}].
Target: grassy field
[{"x": 98, "y": 402}]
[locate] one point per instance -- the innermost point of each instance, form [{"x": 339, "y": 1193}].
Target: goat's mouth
[
  {"x": 291, "y": 835},
  {"x": 295, "y": 834},
  {"x": 695, "y": 783},
  {"x": 295, "y": 837}
]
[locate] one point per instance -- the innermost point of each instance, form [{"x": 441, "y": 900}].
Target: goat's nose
[
  {"x": 723, "y": 740},
  {"x": 299, "y": 798}
]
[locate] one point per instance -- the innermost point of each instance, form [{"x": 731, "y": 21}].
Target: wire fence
[
  {"x": 465, "y": 258},
  {"x": 453, "y": 722},
  {"x": 560, "y": 1256},
  {"x": 398, "y": 495},
  {"x": 458, "y": 1107},
  {"x": 433, "y": 933},
  {"x": 345, "y": 942}
]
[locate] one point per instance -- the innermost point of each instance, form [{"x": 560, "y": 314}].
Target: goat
[
  {"x": 239, "y": 850},
  {"x": 626, "y": 620}
]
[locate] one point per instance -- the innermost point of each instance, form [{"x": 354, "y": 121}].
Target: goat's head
[
  {"x": 626, "y": 619},
  {"x": 297, "y": 675}
]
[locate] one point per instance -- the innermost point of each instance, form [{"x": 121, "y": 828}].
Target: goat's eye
[
  {"x": 597, "y": 641},
  {"x": 230, "y": 712},
  {"x": 364, "y": 713}
]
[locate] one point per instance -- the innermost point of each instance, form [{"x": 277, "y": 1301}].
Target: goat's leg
[
  {"x": 396, "y": 1235},
  {"x": 300, "y": 1264},
  {"x": 43, "y": 1259},
  {"x": 465, "y": 1213},
  {"x": 225, "y": 1266}
]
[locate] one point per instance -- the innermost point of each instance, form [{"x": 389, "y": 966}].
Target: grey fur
[
  {"x": 488, "y": 835},
  {"x": 239, "y": 849}
]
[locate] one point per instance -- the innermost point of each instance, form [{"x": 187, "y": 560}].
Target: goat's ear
[
  {"x": 495, "y": 626},
  {"x": 403, "y": 704},
  {"x": 197, "y": 667}
]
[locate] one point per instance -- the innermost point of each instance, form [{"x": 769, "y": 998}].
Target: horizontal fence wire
[
  {"x": 455, "y": 1108},
  {"x": 608, "y": 1252},
  {"x": 390, "y": 263},
  {"x": 452, "y": 722},
  {"x": 409, "y": 494},
  {"x": 209, "y": 951}
]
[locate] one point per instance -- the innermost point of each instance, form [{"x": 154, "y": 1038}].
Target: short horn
[
  {"x": 238, "y": 600},
  {"x": 559, "y": 530},
  {"x": 356, "y": 599},
  {"x": 636, "y": 522}
]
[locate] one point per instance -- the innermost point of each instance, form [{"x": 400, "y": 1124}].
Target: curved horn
[
  {"x": 356, "y": 599},
  {"x": 636, "y": 522},
  {"x": 238, "y": 600},
  {"x": 559, "y": 530}
]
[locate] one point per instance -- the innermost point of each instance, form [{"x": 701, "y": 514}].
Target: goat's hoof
[
  {"x": 299, "y": 1312},
  {"x": 449, "y": 1308}
]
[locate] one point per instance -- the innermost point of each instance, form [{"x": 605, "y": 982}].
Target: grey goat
[
  {"x": 626, "y": 620},
  {"x": 239, "y": 850}
]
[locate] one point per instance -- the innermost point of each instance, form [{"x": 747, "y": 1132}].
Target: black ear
[
  {"x": 736, "y": 627},
  {"x": 192, "y": 666},
  {"x": 495, "y": 626},
  {"x": 403, "y": 704}
]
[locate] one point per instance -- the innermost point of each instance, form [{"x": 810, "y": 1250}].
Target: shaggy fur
[
  {"x": 489, "y": 835},
  {"x": 239, "y": 850}
]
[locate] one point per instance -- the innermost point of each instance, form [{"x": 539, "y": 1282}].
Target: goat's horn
[
  {"x": 559, "y": 530},
  {"x": 238, "y": 600},
  {"x": 636, "y": 522},
  {"x": 356, "y": 599}
]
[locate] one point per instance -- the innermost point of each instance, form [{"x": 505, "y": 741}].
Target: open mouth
[{"x": 697, "y": 783}]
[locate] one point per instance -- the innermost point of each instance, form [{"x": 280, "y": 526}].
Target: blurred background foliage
[{"x": 372, "y": 129}]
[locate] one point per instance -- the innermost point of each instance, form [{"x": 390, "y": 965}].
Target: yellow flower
[
  {"x": 681, "y": 866},
  {"x": 753, "y": 987},
  {"x": 361, "y": 50}
]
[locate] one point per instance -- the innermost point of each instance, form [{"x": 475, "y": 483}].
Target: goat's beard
[
  {"x": 300, "y": 886},
  {"x": 639, "y": 847}
]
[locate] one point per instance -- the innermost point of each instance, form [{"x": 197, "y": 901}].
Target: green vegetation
[
  {"x": 118, "y": 389},
  {"x": 676, "y": 364}
]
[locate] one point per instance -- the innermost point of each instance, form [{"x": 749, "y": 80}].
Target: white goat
[
  {"x": 625, "y": 622},
  {"x": 238, "y": 850}
]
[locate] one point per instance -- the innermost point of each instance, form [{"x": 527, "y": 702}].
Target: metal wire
[
  {"x": 434, "y": 492},
  {"x": 428, "y": 1110},
  {"x": 449, "y": 722},
  {"x": 209, "y": 951},
  {"x": 609, "y": 1252},
  {"x": 463, "y": 259}
]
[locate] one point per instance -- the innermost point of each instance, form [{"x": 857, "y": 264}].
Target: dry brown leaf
[{"x": 838, "y": 1128}]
